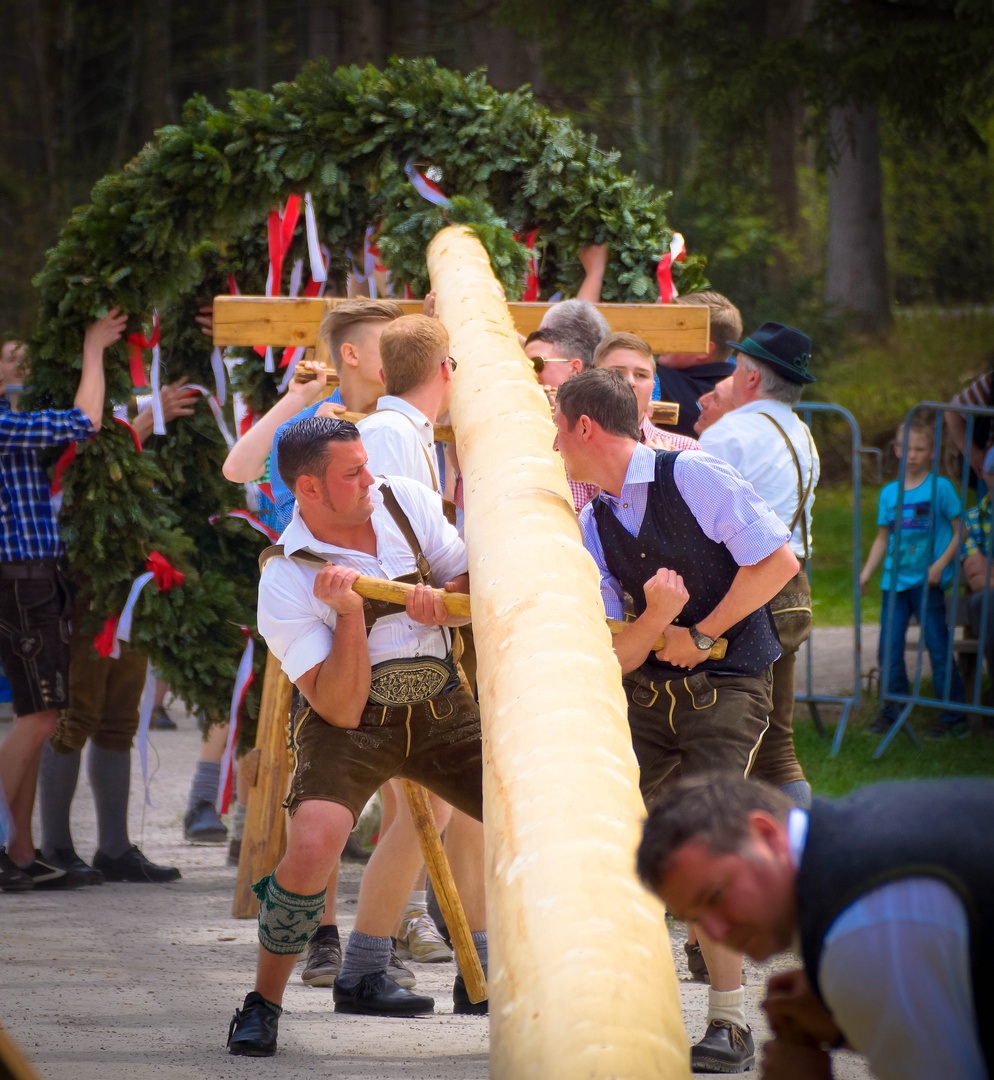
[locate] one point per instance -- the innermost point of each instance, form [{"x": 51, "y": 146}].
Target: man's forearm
[
  {"x": 341, "y": 689},
  {"x": 246, "y": 461},
  {"x": 752, "y": 587},
  {"x": 633, "y": 645}
]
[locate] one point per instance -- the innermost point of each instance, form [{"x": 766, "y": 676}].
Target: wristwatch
[{"x": 702, "y": 641}]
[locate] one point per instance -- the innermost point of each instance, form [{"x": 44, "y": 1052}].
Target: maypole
[{"x": 581, "y": 976}]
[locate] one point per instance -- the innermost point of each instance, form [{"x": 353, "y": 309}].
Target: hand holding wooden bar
[{"x": 457, "y": 603}]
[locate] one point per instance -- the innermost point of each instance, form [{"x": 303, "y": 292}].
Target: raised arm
[
  {"x": 90, "y": 395},
  {"x": 246, "y": 461}
]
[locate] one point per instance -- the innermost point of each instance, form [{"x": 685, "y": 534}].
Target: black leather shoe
[
  {"x": 133, "y": 866},
  {"x": 725, "y": 1048},
  {"x": 461, "y": 1002},
  {"x": 377, "y": 994},
  {"x": 12, "y": 877},
  {"x": 46, "y": 876},
  {"x": 67, "y": 859},
  {"x": 253, "y": 1028}
]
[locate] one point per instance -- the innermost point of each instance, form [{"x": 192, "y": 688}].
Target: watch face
[{"x": 702, "y": 641}]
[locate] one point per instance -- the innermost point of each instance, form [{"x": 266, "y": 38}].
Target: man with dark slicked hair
[{"x": 379, "y": 696}]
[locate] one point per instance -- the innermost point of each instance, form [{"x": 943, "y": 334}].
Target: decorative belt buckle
[{"x": 406, "y": 682}]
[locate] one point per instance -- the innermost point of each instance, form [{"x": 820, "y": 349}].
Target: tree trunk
[
  {"x": 324, "y": 31},
  {"x": 856, "y": 274},
  {"x": 260, "y": 78}
]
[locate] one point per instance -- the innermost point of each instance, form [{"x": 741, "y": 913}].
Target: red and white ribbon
[
  {"x": 243, "y": 680},
  {"x": 664, "y": 271},
  {"x": 118, "y": 628},
  {"x": 270, "y": 534},
  {"x": 319, "y": 265},
  {"x": 280, "y": 226},
  {"x": 426, "y": 188}
]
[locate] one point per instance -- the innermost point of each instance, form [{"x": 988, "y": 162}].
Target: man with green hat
[{"x": 765, "y": 441}]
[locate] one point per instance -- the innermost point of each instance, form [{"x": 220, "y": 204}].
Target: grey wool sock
[
  {"x": 205, "y": 784},
  {"x": 109, "y": 773},
  {"x": 365, "y": 955},
  {"x": 57, "y": 779},
  {"x": 480, "y": 941}
]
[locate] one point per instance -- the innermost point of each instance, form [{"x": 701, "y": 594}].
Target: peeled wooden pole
[
  {"x": 445, "y": 890},
  {"x": 581, "y": 976},
  {"x": 264, "y": 835}
]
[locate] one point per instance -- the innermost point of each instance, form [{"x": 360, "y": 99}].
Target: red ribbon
[
  {"x": 280, "y": 230},
  {"x": 65, "y": 460},
  {"x": 530, "y": 295},
  {"x": 104, "y": 641},
  {"x": 134, "y": 434},
  {"x": 233, "y": 289},
  {"x": 166, "y": 576},
  {"x": 247, "y": 420},
  {"x": 137, "y": 342}
]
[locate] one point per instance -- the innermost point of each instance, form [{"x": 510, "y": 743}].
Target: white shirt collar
[
  {"x": 298, "y": 537},
  {"x": 425, "y": 428}
]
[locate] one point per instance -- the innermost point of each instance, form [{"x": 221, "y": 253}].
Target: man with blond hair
[{"x": 685, "y": 377}]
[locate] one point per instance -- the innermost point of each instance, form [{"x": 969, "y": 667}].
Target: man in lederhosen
[
  {"x": 701, "y": 555},
  {"x": 379, "y": 697}
]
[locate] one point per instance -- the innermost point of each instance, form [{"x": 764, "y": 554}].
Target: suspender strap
[
  {"x": 436, "y": 487},
  {"x": 372, "y": 609},
  {"x": 802, "y": 492}
]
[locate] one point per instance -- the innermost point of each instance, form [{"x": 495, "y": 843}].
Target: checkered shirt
[
  {"x": 977, "y": 528},
  {"x": 28, "y": 525}
]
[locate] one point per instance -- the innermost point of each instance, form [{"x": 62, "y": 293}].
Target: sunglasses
[{"x": 452, "y": 363}]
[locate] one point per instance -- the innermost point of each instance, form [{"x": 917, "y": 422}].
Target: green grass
[
  {"x": 854, "y": 767},
  {"x": 831, "y": 567}
]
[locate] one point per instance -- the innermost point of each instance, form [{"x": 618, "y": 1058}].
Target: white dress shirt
[
  {"x": 754, "y": 447},
  {"x": 895, "y": 974},
  {"x": 400, "y": 441},
  {"x": 299, "y": 629},
  {"x": 725, "y": 506}
]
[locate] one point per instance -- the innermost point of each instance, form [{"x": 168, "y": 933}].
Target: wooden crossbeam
[{"x": 280, "y": 320}]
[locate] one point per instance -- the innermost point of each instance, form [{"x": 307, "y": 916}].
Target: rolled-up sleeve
[
  {"x": 47, "y": 427},
  {"x": 298, "y": 630},
  {"x": 728, "y": 509},
  {"x": 611, "y": 592}
]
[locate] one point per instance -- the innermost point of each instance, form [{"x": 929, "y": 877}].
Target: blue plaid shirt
[{"x": 28, "y": 525}]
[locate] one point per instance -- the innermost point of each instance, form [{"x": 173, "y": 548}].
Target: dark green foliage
[{"x": 190, "y": 208}]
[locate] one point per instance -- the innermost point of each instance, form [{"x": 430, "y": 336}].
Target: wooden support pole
[
  {"x": 445, "y": 890},
  {"x": 13, "y": 1064},
  {"x": 581, "y": 976},
  {"x": 264, "y": 837}
]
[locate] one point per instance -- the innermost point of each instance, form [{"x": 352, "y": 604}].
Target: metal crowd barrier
[
  {"x": 851, "y": 700},
  {"x": 938, "y": 700}
]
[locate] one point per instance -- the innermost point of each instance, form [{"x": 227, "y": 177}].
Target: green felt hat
[{"x": 784, "y": 347}]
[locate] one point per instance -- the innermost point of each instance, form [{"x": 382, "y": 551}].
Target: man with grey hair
[
  {"x": 578, "y": 328},
  {"x": 772, "y": 448}
]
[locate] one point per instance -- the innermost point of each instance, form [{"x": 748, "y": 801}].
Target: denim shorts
[{"x": 35, "y": 603}]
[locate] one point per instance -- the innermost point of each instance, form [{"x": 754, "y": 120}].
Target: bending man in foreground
[
  {"x": 379, "y": 697},
  {"x": 701, "y": 555},
  {"x": 890, "y": 892}
]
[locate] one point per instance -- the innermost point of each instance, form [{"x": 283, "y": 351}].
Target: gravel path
[{"x": 121, "y": 981}]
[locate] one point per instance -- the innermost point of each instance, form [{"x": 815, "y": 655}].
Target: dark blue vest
[
  {"x": 671, "y": 537},
  {"x": 923, "y": 828}
]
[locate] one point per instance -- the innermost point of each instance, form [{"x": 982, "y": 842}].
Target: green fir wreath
[{"x": 167, "y": 230}]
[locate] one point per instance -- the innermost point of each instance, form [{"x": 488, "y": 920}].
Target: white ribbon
[
  {"x": 124, "y": 622},
  {"x": 158, "y": 418},
  {"x": 220, "y": 374},
  {"x": 270, "y": 363},
  {"x": 318, "y": 267},
  {"x": 144, "y": 717},
  {"x": 242, "y": 678},
  {"x": 296, "y": 274}
]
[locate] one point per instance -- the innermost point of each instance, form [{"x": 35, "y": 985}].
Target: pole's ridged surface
[{"x": 581, "y": 977}]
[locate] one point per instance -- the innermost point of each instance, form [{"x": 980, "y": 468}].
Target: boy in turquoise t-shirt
[{"x": 919, "y": 565}]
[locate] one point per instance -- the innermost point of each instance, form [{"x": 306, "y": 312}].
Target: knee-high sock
[
  {"x": 109, "y": 772},
  {"x": 57, "y": 779},
  {"x": 204, "y": 786}
]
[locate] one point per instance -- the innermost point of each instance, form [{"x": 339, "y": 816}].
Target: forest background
[{"x": 832, "y": 159}]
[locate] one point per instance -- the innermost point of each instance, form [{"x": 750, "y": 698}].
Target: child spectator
[{"x": 929, "y": 541}]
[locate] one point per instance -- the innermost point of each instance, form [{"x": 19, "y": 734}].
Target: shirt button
[
  {"x": 417, "y": 654},
  {"x": 625, "y": 505}
]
